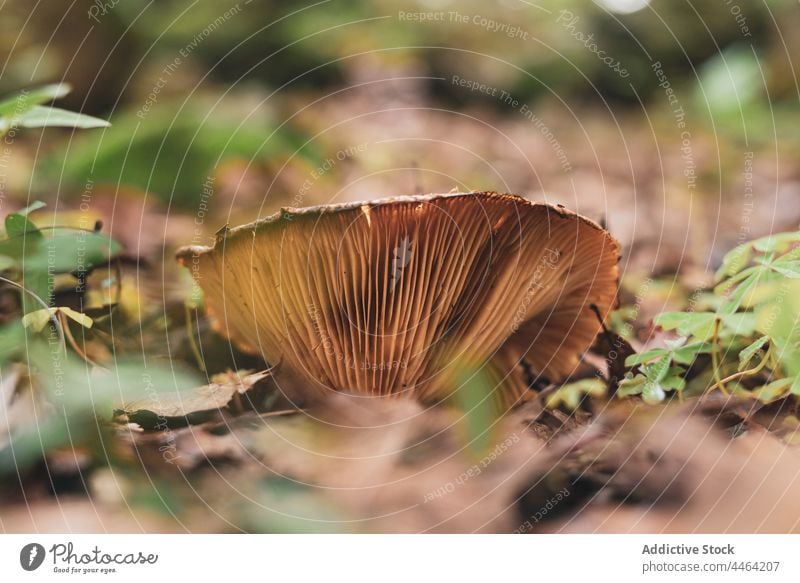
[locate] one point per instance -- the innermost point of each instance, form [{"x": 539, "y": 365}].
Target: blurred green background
[{"x": 255, "y": 96}]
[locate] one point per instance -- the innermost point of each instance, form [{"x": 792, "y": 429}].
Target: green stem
[
  {"x": 718, "y": 382},
  {"x": 744, "y": 373},
  {"x": 190, "y": 332}
]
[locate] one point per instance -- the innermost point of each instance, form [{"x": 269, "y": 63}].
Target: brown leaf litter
[{"x": 393, "y": 465}]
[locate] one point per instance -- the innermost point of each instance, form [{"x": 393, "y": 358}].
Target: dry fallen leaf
[{"x": 232, "y": 392}]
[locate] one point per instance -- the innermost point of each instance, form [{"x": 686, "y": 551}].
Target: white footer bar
[{"x": 401, "y": 558}]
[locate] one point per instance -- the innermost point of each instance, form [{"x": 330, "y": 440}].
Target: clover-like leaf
[
  {"x": 777, "y": 242},
  {"x": 631, "y": 385},
  {"x": 774, "y": 390},
  {"x": 656, "y": 372},
  {"x": 739, "y": 324},
  {"x": 734, "y": 261},
  {"x": 698, "y": 324},
  {"x": 689, "y": 353},
  {"x": 646, "y": 356},
  {"x": 674, "y": 382}
]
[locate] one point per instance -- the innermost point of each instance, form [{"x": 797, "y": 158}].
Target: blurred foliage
[
  {"x": 53, "y": 395},
  {"x": 175, "y": 79},
  {"x": 279, "y": 42},
  {"x": 26, "y": 111},
  {"x": 173, "y": 151},
  {"x": 743, "y": 338}
]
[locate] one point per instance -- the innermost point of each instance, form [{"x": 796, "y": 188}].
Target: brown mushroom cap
[{"x": 381, "y": 297}]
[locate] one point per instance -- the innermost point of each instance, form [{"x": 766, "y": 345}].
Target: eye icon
[{"x": 31, "y": 556}]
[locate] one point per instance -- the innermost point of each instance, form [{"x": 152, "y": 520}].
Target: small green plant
[
  {"x": 30, "y": 257},
  {"x": 745, "y": 339},
  {"x": 33, "y": 256},
  {"x": 34, "y": 357}
]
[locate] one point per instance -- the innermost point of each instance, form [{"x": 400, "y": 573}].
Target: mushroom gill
[{"x": 380, "y": 298}]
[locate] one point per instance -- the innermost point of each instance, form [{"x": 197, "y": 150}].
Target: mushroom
[{"x": 381, "y": 297}]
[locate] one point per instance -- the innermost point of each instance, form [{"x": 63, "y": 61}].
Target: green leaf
[
  {"x": 632, "y": 385},
  {"x": 699, "y": 324},
  {"x": 39, "y": 257},
  {"x": 670, "y": 320},
  {"x": 657, "y": 371},
  {"x": 747, "y": 354},
  {"x": 776, "y": 243},
  {"x": 37, "y": 285},
  {"x": 788, "y": 257},
  {"x": 689, "y": 353},
  {"x": 67, "y": 251},
  {"x": 646, "y": 356},
  {"x": 739, "y": 324},
  {"x": 17, "y": 225},
  {"x": 42, "y": 117},
  {"x": 76, "y": 386},
  {"x": 767, "y": 291},
  {"x": 789, "y": 359},
  {"x": 774, "y": 390},
  {"x": 674, "y": 383},
  {"x": 734, "y": 261},
  {"x": 738, "y": 297},
  {"x": 19, "y": 104},
  {"x": 777, "y": 316},
  {"x": 790, "y": 269}
]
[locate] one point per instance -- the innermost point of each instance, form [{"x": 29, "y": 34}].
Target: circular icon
[{"x": 31, "y": 556}]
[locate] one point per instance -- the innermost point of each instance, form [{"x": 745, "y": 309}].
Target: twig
[{"x": 71, "y": 339}]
